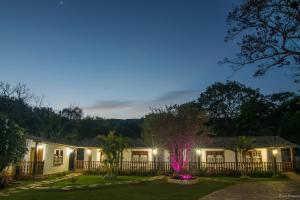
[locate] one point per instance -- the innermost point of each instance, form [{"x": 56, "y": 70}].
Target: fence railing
[
  {"x": 27, "y": 168},
  {"x": 192, "y": 166}
]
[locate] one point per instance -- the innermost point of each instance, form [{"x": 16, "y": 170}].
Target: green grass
[
  {"x": 87, "y": 180},
  {"x": 155, "y": 190}
]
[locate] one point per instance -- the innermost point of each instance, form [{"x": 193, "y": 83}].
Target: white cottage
[{"x": 46, "y": 156}]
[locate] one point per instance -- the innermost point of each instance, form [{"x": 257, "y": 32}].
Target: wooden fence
[
  {"x": 192, "y": 166},
  {"x": 26, "y": 169}
]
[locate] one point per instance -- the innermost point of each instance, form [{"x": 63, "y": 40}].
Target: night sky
[{"x": 118, "y": 59}]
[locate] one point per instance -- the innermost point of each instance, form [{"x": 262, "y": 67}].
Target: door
[{"x": 71, "y": 161}]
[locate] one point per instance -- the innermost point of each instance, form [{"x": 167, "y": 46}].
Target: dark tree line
[
  {"x": 234, "y": 109},
  {"x": 231, "y": 109},
  {"x": 25, "y": 109}
]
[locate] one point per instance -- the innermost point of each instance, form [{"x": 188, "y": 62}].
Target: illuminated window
[
  {"x": 58, "y": 157},
  {"x": 215, "y": 156}
]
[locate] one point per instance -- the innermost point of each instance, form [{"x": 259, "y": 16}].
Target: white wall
[
  {"x": 127, "y": 153},
  {"x": 49, "y": 168}
]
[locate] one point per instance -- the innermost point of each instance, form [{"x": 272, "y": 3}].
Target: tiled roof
[
  {"x": 212, "y": 142},
  {"x": 256, "y": 142}
]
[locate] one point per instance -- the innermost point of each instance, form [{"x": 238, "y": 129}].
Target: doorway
[{"x": 72, "y": 161}]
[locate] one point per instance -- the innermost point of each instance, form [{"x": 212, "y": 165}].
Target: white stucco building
[{"x": 46, "y": 157}]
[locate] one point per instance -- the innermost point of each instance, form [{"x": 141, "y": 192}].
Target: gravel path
[{"x": 265, "y": 190}]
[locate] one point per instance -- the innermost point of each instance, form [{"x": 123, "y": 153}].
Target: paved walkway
[{"x": 265, "y": 190}]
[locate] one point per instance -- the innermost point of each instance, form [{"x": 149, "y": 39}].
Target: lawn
[
  {"x": 154, "y": 190},
  {"x": 88, "y": 180}
]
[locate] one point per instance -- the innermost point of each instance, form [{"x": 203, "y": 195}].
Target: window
[
  {"x": 58, "y": 157},
  {"x": 215, "y": 156},
  {"x": 253, "y": 156},
  {"x": 140, "y": 156}
]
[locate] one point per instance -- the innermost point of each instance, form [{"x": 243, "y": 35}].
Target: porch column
[
  {"x": 75, "y": 158},
  {"x": 292, "y": 158},
  {"x": 35, "y": 159}
]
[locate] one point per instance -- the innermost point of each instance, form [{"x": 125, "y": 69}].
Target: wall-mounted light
[
  {"x": 69, "y": 151},
  {"x": 155, "y": 151},
  {"x": 40, "y": 146},
  {"x": 274, "y": 152},
  {"x": 88, "y": 151},
  {"x": 198, "y": 151}
]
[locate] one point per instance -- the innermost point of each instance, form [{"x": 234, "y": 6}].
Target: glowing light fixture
[
  {"x": 69, "y": 151},
  {"x": 198, "y": 151},
  {"x": 155, "y": 151},
  {"x": 40, "y": 146},
  {"x": 275, "y": 152},
  {"x": 88, "y": 151}
]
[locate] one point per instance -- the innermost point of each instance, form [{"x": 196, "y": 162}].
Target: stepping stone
[
  {"x": 12, "y": 189},
  {"x": 4, "y": 195},
  {"x": 107, "y": 183},
  {"x": 79, "y": 187},
  {"x": 93, "y": 185},
  {"x": 42, "y": 188},
  {"x": 23, "y": 188}
]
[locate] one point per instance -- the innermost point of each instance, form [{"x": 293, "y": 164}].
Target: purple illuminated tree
[{"x": 176, "y": 128}]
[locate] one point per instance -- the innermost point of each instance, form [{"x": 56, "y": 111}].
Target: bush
[
  {"x": 260, "y": 174},
  {"x": 279, "y": 176},
  {"x": 125, "y": 173},
  {"x": 222, "y": 173}
]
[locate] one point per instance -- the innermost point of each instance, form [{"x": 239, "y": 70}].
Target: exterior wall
[
  {"x": 30, "y": 144},
  {"x": 270, "y": 156},
  {"x": 48, "y": 156},
  {"x": 49, "y": 168},
  {"x": 127, "y": 153},
  {"x": 94, "y": 153},
  {"x": 163, "y": 155}
]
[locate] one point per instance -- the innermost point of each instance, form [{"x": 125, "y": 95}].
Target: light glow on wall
[
  {"x": 69, "y": 151},
  {"x": 198, "y": 151},
  {"x": 275, "y": 152},
  {"x": 88, "y": 151}
]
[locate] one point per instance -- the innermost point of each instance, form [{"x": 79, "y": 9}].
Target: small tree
[
  {"x": 12, "y": 144},
  {"x": 243, "y": 145},
  {"x": 112, "y": 146},
  {"x": 176, "y": 128}
]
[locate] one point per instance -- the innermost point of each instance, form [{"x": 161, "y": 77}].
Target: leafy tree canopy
[
  {"x": 12, "y": 142},
  {"x": 269, "y": 34}
]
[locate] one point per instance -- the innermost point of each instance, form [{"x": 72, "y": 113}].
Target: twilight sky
[{"x": 119, "y": 58}]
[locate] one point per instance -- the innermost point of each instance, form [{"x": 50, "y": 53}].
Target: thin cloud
[
  {"x": 135, "y": 109},
  {"x": 108, "y": 105}
]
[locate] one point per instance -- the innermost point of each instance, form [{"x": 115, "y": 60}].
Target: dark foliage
[
  {"x": 270, "y": 35},
  {"x": 234, "y": 109},
  {"x": 45, "y": 122}
]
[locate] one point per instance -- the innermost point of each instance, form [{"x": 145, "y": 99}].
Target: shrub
[
  {"x": 224, "y": 172},
  {"x": 260, "y": 174},
  {"x": 279, "y": 176}
]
